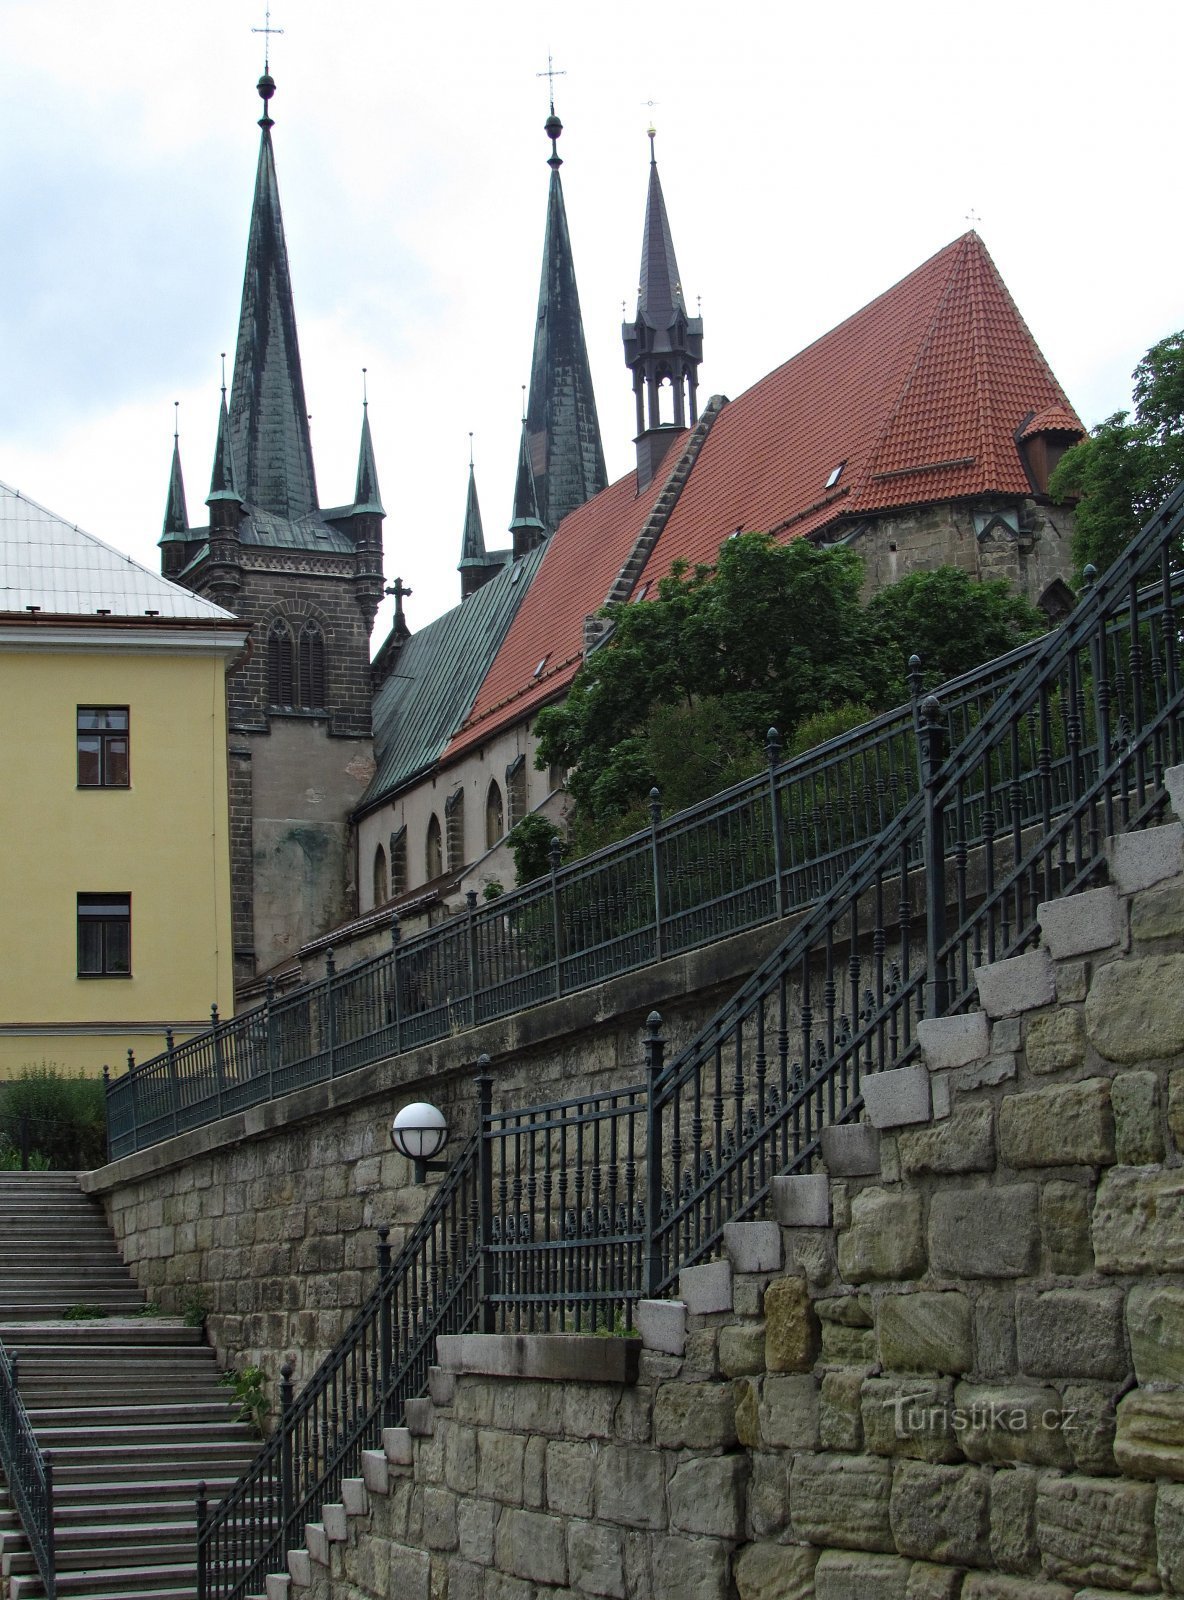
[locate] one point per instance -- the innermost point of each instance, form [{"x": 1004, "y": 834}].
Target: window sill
[{"x": 90, "y": 977}]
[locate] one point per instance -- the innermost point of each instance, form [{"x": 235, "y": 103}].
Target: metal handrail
[
  {"x": 28, "y": 1471},
  {"x": 745, "y": 857}
]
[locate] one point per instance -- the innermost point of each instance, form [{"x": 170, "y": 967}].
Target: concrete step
[
  {"x": 129, "y": 1332},
  {"x": 176, "y": 1432},
  {"x": 115, "y": 1583},
  {"x": 99, "y": 1554}
]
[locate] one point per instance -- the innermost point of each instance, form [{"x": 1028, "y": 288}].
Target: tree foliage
[{"x": 1130, "y": 462}]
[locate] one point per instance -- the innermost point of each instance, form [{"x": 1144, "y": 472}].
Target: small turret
[
  {"x": 526, "y": 525},
  {"x": 174, "y": 538}
]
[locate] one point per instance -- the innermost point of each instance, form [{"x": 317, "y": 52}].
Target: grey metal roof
[
  {"x": 49, "y": 563},
  {"x": 437, "y": 673},
  {"x": 309, "y": 532},
  {"x": 659, "y": 298}
]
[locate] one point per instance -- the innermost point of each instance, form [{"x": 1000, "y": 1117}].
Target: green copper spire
[
  {"x": 526, "y": 525},
  {"x": 224, "y": 478},
  {"x": 472, "y": 543},
  {"x": 366, "y": 495},
  {"x": 176, "y": 517}
]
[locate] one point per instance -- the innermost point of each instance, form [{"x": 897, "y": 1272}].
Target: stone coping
[{"x": 560, "y": 1357}]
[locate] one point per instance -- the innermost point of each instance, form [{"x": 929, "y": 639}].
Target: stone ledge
[
  {"x": 707, "y": 1287},
  {"x": 1138, "y": 860},
  {"x": 317, "y": 1542},
  {"x": 662, "y": 1325},
  {"x": 559, "y": 1357},
  {"x": 376, "y": 1473},
  {"x": 753, "y": 1246},
  {"x": 1022, "y": 983},
  {"x": 953, "y": 1041},
  {"x": 896, "y": 1098},
  {"x": 278, "y": 1586},
  {"x": 802, "y": 1200},
  {"x": 300, "y": 1569},
  {"x": 1173, "y": 782},
  {"x": 851, "y": 1150},
  {"x": 1079, "y": 924}
]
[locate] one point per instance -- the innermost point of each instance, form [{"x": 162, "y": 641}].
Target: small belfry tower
[
  {"x": 308, "y": 581},
  {"x": 663, "y": 345}
]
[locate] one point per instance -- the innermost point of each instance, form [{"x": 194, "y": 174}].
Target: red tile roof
[{"x": 917, "y": 398}]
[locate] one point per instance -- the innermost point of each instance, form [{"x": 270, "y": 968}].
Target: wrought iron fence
[
  {"x": 759, "y": 850},
  {"x": 28, "y": 1471}
]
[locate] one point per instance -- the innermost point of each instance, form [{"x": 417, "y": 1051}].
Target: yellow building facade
[{"x": 114, "y": 839}]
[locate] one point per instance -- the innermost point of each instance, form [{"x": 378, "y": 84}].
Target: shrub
[{"x": 65, "y": 1115}]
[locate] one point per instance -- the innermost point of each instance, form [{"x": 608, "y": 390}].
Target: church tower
[
  {"x": 562, "y": 430},
  {"x": 663, "y": 346},
  {"x": 308, "y": 580}
]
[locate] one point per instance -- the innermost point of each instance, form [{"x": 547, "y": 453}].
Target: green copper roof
[
  {"x": 224, "y": 477},
  {"x": 366, "y": 495},
  {"x": 526, "y": 501},
  {"x": 472, "y": 539},
  {"x": 435, "y": 678},
  {"x": 176, "y": 517}
]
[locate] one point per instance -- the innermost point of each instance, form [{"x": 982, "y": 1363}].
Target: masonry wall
[{"x": 952, "y": 1367}]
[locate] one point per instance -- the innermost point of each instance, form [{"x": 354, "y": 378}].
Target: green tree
[{"x": 1122, "y": 472}]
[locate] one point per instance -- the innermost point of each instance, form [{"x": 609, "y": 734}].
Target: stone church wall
[{"x": 953, "y": 1367}]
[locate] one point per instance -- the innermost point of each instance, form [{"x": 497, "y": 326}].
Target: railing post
[
  {"x": 271, "y": 1044},
  {"x": 555, "y": 851},
  {"x": 386, "y": 1336},
  {"x": 202, "y": 1514},
  {"x": 287, "y": 1482},
  {"x": 915, "y": 680},
  {"x": 51, "y": 1557},
  {"x": 656, "y": 862},
  {"x": 131, "y": 1099},
  {"x": 651, "y": 1265},
  {"x": 216, "y": 1053},
  {"x": 396, "y": 1005},
  {"x": 170, "y": 1051},
  {"x": 331, "y": 1009},
  {"x": 773, "y": 755},
  {"x": 485, "y": 1193},
  {"x": 933, "y": 755},
  {"x": 471, "y": 929},
  {"x": 107, "y": 1105}
]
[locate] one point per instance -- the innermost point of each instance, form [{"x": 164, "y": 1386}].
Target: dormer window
[
  {"x": 538, "y": 671},
  {"x": 835, "y": 476}
]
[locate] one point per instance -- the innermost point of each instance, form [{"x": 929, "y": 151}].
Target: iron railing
[
  {"x": 745, "y": 857},
  {"x": 28, "y": 1471},
  {"x": 563, "y": 1216}
]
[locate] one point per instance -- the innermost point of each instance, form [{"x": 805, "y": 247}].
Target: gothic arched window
[
  {"x": 434, "y": 854},
  {"x": 399, "y": 862},
  {"x": 516, "y": 791},
  {"x": 280, "y": 665},
  {"x": 495, "y": 816},
  {"x": 311, "y": 667},
  {"x": 381, "y": 886}
]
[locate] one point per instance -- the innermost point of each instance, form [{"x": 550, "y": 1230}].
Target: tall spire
[
  {"x": 472, "y": 542},
  {"x": 526, "y": 525},
  {"x": 268, "y": 415},
  {"x": 366, "y": 495},
  {"x": 176, "y": 517},
  {"x": 562, "y": 429},
  {"x": 224, "y": 481},
  {"x": 662, "y": 344}
]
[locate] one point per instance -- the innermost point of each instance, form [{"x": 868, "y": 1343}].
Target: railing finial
[{"x": 773, "y": 744}]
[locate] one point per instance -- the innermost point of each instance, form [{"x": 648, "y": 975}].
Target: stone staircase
[{"x": 129, "y": 1405}]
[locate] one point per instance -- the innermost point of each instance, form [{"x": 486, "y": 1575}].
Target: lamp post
[{"x": 420, "y": 1132}]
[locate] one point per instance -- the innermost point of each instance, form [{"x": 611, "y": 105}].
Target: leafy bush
[
  {"x": 65, "y": 1115},
  {"x": 530, "y": 842},
  {"x": 250, "y": 1395}
]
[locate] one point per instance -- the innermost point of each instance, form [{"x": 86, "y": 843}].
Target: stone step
[
  {"x": 130, "y": 1332},
  {"x": 151, "y": 1496},
  {"x": 187, "y": 1418},
  {"x": 71, "y": 1556},
  {"x": 113, "y": 1583},
  {"x": 170, "y": 1432}
]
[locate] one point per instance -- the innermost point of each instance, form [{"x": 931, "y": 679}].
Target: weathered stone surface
[
  {"x": 1012, "y": 1422},
  {"x": 802, "y": 1200},
  {"x": 753, "y": 1246},
  {"x": 439, "y": 1519},
  {"x": 475, "y": 1522},
  {"x": 1158, "y": 913},
  {"x": 841, "y": 1500},
  {"x": 925, "y": 1332},
  {"x": 1169, "y": 1535},
  {"x": 948, "y": 1042},
  {"x": 1072, "y": 1333},
  {"x": 909, "y": 1417},
  {"x": 1021, "y": 983},
  {"x": 1064, "y": 1227},
  {"x": 768, "y": 1494},
  {"x": 851, "y": 1149},
  {"x": 1138, "y": 1221},
  {"x": 1066, "y": 1125},
  {"x": 690, "y": 1569},
  {"x": 747, "y": 1393},
  {"x": 965, "y": 1142},
  {"x": 1135, "y": 1009},
  {"x": 742, "y": 1349},
  {"x": 1089, "y": 1426},
  {"x": 701, "y": 1356},
  {"x": 1055, "y": 1042},
  {"x": 840, "y": 1425},
  {"x": 791, "y": 1327},
  {"x": 1176, "y": 1107},
  {"x": 930, "y": 1582},
  {"x": 994, "y": 1333},
  {"x": 570, "y": 1476},
  {"x": 532, "y": 1545},
  {"x": 707, "y": 1287},
  {"x": 1149, "y": 1441},
  {"x": 695, "y": 1416},
  {"x": 896, "y": 1098},
  {"x": 843, "y": 1576},
  {"x": 500, "y": 1461},
  {"x": 662, "y": 1325},
  {"x": 789, "y": 1412},
  {"x": 884, "y": 1239},
  {"x": 595, "y": 1560},
  {"x": 631, "y": 1486},
  {"x": 1145, "y": 856},
  {"x": 1013, "y": 1520},
  {"x": 1138, "y": 1133},
  {"x": 996, "y": 1069},
  {"x": 984, "y": 1233},
  {"x": 775, "y": 1572},
  {"x": 1091, "y": 1530},
  {"x": 1079, "y": 923},
  {"x": 993, "y": 1586},
  {"x": 848, "y": 1347},
  {"x": 460, "y": 1458},
  {"x": 846, "y": 1310},
  {"x": 1155, "y": 1323},
  {"x": 706, "y": 1495},
  {"x": 941, "y": 1513}
]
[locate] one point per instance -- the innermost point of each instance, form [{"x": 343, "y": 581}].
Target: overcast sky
[{"x": 810, "y": 157}]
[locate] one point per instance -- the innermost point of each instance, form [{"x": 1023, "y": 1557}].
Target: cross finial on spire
[
  {"x": 267, "y": 30},
  {"x": 973, "y": 217},
  {"x": 401, "y": 592},
  {"x": 551, "y": 74}
]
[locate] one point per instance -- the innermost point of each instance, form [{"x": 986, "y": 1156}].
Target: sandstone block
[
  {"x": 997, "y": 1068},
  {"x": 662, "y": 1325},
  {"x": 747, "y": 1393},
  {"x": 570, "y": 1475},
  {"x": 475, "y": 1524},
  {"x": 948, "y": 1042},
  {"x": 1064, "y": 1227},
  {"x": 1176, "y": 1107},
  {"x": 1016, "y": 1422},
  {"x": 841, "y": 1575},
  {"x": 1134, "y": 1011},
  {"x": 441, "y": 1386},
  {"x": 1155, "y": 1323},
  {"x": 994, "y": 1333},
  {"x": 1149, "y": 1441},
  {"x": 1145, "y": 857},
  {"x": 595, "y": 1560},
  {"x": 851, "y": 1150},
  {"x": 1138, "y": 1135},
  {"x": 694, "y": 1416},
  {"x": 963, "y": 1143},
  {"x": 748, "y": 1296},
  {"x": 788, "y": 1416},
  {"x": 501, "y": 1459},
  {"x": 706, "y": 1496},
  {"x": 930, "y": 1582},
  {"x": 376, "y": 1472},
  {"x": 1079, "y": 923},
  {"x": 531, "y": 1545},
  {"x": 884, "y": 1239},
  {"x": 460, "y": 1459},
  {"x": 848, "y": 1347},
  {"x": 941, "y": 1513},
  {"x": 420, "y": 1418},
  {"x": 1090, "y": 1422},
  {"x": 925, "y": 1332},
  {"x": 909, "y": 1417},
  {"x": 1158, "y": 913},
  {"x": 465, "y": 1580},
  {"x": 992, "y": 1586},
  {"x": 1173, "y": 782},
  {"x": 706, "y": 1288},
  {"x": 1072, "y": 1333},
  {"x": 333, "y": 1520},
  {"x": 791, "y": 1327},
  {"x": 439, "y": 1519},
  {"x": 802, "y": 1200},
  {"x": 1067, "y": 1125},
  {"x": 1013, "y": 1520},
  {"x": 984, "y": 1233},
  {"x": 768, "y": 1495},
  {"x": 689, "y": 1569},
  {"x": 896, "y": 1098},
  {"x": 775, "y": 1572},
  {"x": 1094, "y": 1531},
  {"x": 1055, "y": 1042},
  {"x": 753, "y": 1246},
  {"x": 840, "y": 1425},
  {"x": 1022, "y": 983},
  {"x": 742, "y": 1349},
  {"x": 1169, "y": 1535},
  {"x": 842, "y": 1500},
  {"x": 1138, "y": 1221}
]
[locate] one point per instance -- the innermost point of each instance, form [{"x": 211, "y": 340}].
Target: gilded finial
[
  {"x": 365, "y": 396},
  {"x": 176, "y": 420}
]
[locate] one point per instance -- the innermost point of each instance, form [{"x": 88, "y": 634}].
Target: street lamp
[{"x": 420, "y": 1132}]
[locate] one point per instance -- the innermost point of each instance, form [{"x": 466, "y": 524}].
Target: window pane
[
  {"x": 119, "y": 947},
  {"x": 89, "y": 769},
  {"x": 90, "y": 946},
  {"x": 116, "y": 763}
]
